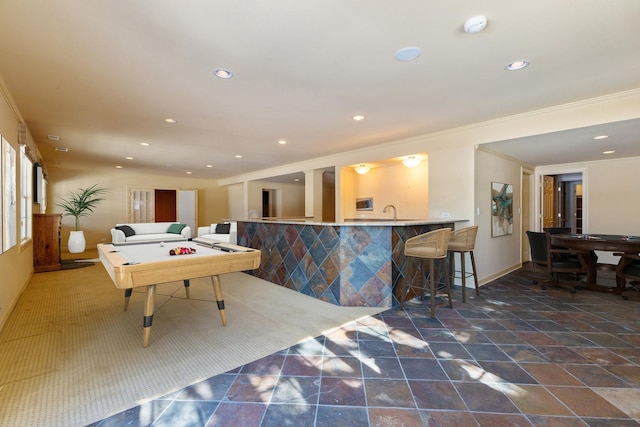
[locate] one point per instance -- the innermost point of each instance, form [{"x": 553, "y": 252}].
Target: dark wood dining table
[{"x": 589, "y": 243}]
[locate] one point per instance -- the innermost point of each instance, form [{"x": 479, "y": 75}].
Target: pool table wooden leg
[
  {"x": 148, "y": 314},
  {"x": 186, "y": 287},
  {"x": 217, "y": 289},
  {"x": 127, "y": 295}
]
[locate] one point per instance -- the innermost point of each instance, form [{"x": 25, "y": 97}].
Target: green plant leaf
[{"x": 82, "y": 203}]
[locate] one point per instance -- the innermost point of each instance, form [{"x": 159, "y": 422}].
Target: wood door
[
  {"x": 165, "y": 205},
  {"x": 548, "y": 201},
  {"x": 525, "y": 220}
]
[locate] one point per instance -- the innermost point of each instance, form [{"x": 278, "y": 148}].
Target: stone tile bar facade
[{"x": 347, "y": 264}]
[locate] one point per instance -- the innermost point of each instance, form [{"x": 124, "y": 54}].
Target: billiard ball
[{"x": 162, "y": 244}]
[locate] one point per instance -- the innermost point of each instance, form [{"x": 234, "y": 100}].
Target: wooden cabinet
[{"x": 46, "y": 242}]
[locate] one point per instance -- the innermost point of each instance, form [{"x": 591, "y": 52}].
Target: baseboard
[
  {"x": 482, "y": 281},
  {"x": 6, "y": 312}
]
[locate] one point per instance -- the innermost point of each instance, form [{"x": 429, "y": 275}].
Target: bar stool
[
  {"x": 428, "y": 246},
  {"x": 462, "y": 241}
]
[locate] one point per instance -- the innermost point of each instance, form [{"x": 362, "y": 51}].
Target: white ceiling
[{"x": 102, "y": 75}]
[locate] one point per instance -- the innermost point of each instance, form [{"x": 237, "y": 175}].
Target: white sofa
[
  {"x": 209, "y": 232},
  {"x": 150, "y": 231}
]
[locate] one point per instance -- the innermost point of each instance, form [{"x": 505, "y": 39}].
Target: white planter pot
[{"x": 76, "y": 242}]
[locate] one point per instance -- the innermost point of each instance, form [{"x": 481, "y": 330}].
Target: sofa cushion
[
  {"x": 176, "y": 228},
  {"x": 219, "y": 237},
  {"x": 128, "y": 231},
  {"x": 157, "y": 237},
  {"x": 223, "y": 228}
]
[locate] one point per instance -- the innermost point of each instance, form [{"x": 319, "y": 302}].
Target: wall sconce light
[
  {"x": 362, "y": 169},
  {"x": 412, "y": 161}
]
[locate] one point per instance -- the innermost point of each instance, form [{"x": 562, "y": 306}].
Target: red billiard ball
[{"x": 172, "y": 252}]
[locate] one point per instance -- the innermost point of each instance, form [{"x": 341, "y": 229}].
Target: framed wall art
[{"x": 501, "y": 209}]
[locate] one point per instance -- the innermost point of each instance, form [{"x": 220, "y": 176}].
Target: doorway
[
  {"x": 268, "y": 203},
  {"x": 526, "y": 219},
  {"x": 562, "y": 201},
  {"x": 163, "y": 205}
]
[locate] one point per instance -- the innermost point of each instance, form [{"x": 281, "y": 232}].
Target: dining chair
[
  {"x": 553, "y": 260},
  {"x": 628, "y": 270},
  {"x": 430, "y": 246},
  {"x": 560, "y": 230},
  {"x": 557, "y": 230},
  {"x": 462, "y": 242}
]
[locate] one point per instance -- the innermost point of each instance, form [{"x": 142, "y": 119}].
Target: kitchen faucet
[{"x": 394, "y": 211}]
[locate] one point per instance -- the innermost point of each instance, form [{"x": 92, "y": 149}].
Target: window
[
  {"x": 9, "y": 196},
  {"x": 26, "y": 197}
]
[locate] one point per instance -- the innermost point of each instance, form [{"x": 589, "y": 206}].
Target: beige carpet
[{"x": 70, "y": 356}]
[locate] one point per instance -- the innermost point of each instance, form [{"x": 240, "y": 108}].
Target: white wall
[
  {"x": 490, "y": 168},
  {"x": 451, "y": 172},
  {"x": 237, "y": 206},
  {"x": 289, "y": 198},
  {"x": 16, "y": 264},
  {"x": 392, "y": 184}
]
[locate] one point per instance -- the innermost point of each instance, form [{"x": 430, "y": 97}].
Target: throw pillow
[
  {"x": 127, "y": 230},
  {"x": 176, "y": 228},
  {"x": 223, "y": 228}
]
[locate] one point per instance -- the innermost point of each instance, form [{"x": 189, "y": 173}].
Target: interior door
[
  {"x": 141, "y": 205},
  {"x": 188, "y": 209},
  {"x": 525, "y": 220},
  {"x": 548, "y": 201},
  {"x": 166, "y": 205}
]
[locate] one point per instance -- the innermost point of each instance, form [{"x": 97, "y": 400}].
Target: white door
[{"x": 188, "y": 209}]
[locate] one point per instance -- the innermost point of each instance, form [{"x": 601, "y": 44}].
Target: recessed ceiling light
[
  {"x": 238, "y": 156},
  {"x": 222, "y": 73},
  {"x": 412, "y": 161},
  {"x": 601, "y": 137},
  {"x": 608, "y": 152},
  {"x": 118, "y": 167},
  {"x": 145, "y": 144},
  {"x": 516, "y": 65},
  {"x": 475, "y": 24},
  {"x": 189, "y": 173},
  {"x": 282, "y": 142},
  {"x": 53, "y": 137},
  {"x": 297, "y": 180},
  {"x": 362, "y": 169},
  {"x": 209, "y": 166},
  {"x": 129, "y": 158},
  {"x": 407, "y": 54},
  {"x": 63, "y": 149},
  {"x": 358, "y": 117},
  {"x": 170, "y": 120}
]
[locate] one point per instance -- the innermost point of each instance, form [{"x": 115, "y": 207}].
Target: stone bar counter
[{"x": 351, "y": 263}]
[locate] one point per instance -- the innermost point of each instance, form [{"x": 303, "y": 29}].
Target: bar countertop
[{"x": 383, "y": 222}]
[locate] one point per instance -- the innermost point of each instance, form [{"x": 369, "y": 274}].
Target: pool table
[{"x": 133, "y": 265}]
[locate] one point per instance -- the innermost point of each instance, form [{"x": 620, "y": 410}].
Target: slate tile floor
[{"x": 515, "y": 356}]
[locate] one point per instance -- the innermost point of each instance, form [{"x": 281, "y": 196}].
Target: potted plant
[{"x": 78, "y": 204}]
